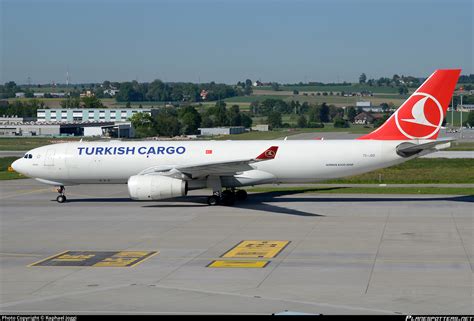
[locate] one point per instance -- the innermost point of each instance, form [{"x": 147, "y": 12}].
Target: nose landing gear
[{"x": 61, "y": 198}]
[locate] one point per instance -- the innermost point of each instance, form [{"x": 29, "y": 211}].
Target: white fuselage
[{"x": 297, "y": 161}]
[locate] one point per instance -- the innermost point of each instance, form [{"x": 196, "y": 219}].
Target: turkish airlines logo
[
  {"x": 420, "y": 117},
  {"x": 269, "y": 153}
]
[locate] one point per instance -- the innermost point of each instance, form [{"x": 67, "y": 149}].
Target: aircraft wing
[
  {"x": 409, "y": 149},
  {"x": 210, "y": 168}
]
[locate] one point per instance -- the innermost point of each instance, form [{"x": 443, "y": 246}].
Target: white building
[{"x": 213, "y": 131}]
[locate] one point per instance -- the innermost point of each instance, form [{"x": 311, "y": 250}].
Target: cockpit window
[{"x": 28, "y": 156}]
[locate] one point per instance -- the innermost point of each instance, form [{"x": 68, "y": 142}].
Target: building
[
  {"x": 261, "y": 128},
  {"x": 20, "y": 95},
  {"x": 57, "y": 95},
  {"x": 107, "y": 129},
  {"x": 88, "y": 115},
  {"x": 213, "y": 131},
  {"x": 38, "y": 95},
  {"x": 373, "y": 109},
  {"x": 111, "y": 92},
  {"x": 363, "y": 104},
  {"x": 466, "y": 107},
  {"x": 365, "y": 118}
]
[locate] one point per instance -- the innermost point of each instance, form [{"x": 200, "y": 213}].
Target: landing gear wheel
[
  {"x": 228, "y": 197},
  {"x": 213, "y": 200},
  {"x": 241, "y": 195},
  {"x": 61, "y": 199}
]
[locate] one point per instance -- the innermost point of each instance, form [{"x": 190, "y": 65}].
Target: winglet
[{"x": 268, "y": 154}]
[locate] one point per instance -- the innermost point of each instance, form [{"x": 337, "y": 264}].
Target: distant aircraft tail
[{"x": 421, "y": 115}]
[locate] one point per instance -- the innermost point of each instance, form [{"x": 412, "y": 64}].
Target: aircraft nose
[{"x": 16, "y": 165}]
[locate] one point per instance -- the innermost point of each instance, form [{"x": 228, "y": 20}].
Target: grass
[
  {"x": 5, "y": 162},
  {"x": 249, "y": 99},
  {"x": 366, "y": 190},
  {"x": 462, "y": 146},
  {"x": 27, "y": 143},
  {"x": 457, "y": 118},
  {"x": 346, "y": 88},
  {"x": 418, "y": 171},
  {"x": 280, "y": 133}
]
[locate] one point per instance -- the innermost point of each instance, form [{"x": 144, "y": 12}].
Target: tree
[
  {"x": 274, "y": 119},
  {"x": 167, "y": 123},
  {"x": 246, "y": 120},
  {"x": 91, "y": 102},
  {"x": 71, "y": 102},
  {"x": 324, "y": 113},
  {"x": 362, "y": 79},
  {"x": 351, "y": 113},
  {"x": 275, "y": 86},
  {"x": 218, "y": 114},
  {"x": 314, "y": 114},
  {"x": 190, "y": 120},
  {"x": 302, "y": 122},
  {"x": 470, "y": 119},
  {"x": 378, "y": 122},
  {"x": 144, "y": 125},
  {"x": 341, "y": 123},
  {"x": 402, "y": 90},
  {"x": 235, "y": 118}
]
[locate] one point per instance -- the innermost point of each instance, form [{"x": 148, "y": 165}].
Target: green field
[
  {"x": 280, "y": 133},
  {"x": 345, "y": 88},
  {"x": 249, "y": 99},
  {"x": 457, "y": 118},
  {"x": 364, "y": 190},
  {"x": 5, "y": 162},
  {"x": 27, "y": 143},
  {"x": 462, "y": 146}
]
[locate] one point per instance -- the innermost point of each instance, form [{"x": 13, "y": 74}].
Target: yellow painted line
[
  {"x": 46, "y": 259},
  {"x": 145, "y": 258},
  {"x": 24, "y": 193},
  {"x": 238, "y": 264},
  {"x": 260, "y": 249}
]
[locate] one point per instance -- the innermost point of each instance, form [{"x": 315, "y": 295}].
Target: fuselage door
[{"x": 49, "y": 159}]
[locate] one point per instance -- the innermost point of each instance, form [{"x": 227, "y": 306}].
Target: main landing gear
[
  {"x": 227, "y": 197},
  {"x": 61, "y": 198}
]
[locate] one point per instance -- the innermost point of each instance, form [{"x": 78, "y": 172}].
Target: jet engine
[{"x": 155, "y": 187}]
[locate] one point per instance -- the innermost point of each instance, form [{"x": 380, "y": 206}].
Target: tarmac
[{"x": 339, "y": 253}]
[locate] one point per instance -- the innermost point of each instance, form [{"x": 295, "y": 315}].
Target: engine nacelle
[{"x": 155, "y": 187}]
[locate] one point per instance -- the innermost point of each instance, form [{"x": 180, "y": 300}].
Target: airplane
[{"x": 157, "y": 170}]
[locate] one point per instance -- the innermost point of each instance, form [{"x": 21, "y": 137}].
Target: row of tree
[
  {"x": 25, "y": 109},
  {"x": 161, "y": 91},
  {"x": 186, "y": 120}
]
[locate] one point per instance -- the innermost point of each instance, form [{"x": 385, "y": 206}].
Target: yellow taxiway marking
[
  {"x": 263, "y": 249},
  {"x": 46, "y": 259},
  {"x": 24, "y": 193},
  {"x": 96, "y": 259},
  {"x": 238, "y": 264}
]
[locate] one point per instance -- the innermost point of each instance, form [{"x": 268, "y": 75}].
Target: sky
[{"x": 229, "y": 41}]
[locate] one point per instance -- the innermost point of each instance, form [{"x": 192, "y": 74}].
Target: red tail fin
[{"x": 421, "y": 115}]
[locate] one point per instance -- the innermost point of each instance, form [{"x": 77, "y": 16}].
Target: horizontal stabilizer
[{"x": 409, "y": 149}]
